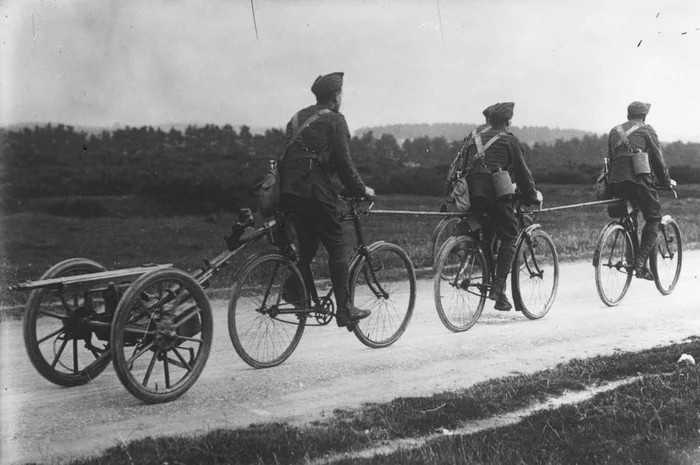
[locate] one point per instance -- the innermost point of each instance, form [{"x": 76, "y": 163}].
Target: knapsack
[
  {"x": 458, "y": 171},
  {"x": 267, "y": 190}
]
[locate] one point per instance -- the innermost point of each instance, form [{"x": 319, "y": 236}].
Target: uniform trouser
[
  {"x": 647, "y": 199},
  {"x": 502, "y": 223},
  {"x": 316, "y": 223}
]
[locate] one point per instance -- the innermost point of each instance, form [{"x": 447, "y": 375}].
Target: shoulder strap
[
  {"x": 624, "y": 135},
  {"x": 297, "y": 130},
  {"x": 481, "y": 148}
]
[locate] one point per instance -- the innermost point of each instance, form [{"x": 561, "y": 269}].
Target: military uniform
[
  {"x": 506, "y": 153},
  {"x": 639, "y": 187},
  {"x": 307, "y": 193}
]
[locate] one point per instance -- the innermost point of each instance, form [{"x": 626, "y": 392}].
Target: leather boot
[
  {"x": 646, "y": 245},
  {"x": 346, "y": 317},
  {"x": 498, "y": 293}
]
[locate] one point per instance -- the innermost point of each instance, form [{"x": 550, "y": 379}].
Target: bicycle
[
  {"x": 465, "y": 269},
  {"x": 618, "y": 244},
  {"x": 270, "y": 305},
  {"x": 445, "y": 229}
]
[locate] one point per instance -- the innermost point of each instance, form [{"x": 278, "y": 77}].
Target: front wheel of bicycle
[
  {"x": 445, "y": 229},
  {"x": 385, "y": 284},
  {"x": 535, "y": 274},
  {"x": 667, "y": 257},
  {"x": 460, "y": 283},
  {"x": 613, "y": 271},
  {"x": 263, "y": 321}
]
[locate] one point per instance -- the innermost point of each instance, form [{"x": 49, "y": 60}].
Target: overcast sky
[{"x": 566, "y": 64}]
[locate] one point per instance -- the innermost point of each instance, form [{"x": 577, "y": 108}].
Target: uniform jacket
[
  {"x": 644, "y": 139},
  {"x": 328, "y": 138},
  {"x": 506, "y": 154}
]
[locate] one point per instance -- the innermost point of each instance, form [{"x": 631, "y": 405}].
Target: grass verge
[
  {"x": 34, "y": 241},
  {"x": 654, "y": 420}
]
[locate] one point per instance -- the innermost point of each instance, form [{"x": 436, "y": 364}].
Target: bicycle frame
[
  {"x": 321, "y": 307},
  {"x": 630, "y": 223}
]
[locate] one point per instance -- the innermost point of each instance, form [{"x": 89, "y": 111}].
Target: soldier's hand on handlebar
[
  {"x": 672, "y": 184},
  {"x": 534, "y": 201},
  {"x": 369, "y": 192}
]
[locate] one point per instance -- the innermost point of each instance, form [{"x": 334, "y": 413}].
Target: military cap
[
  {"x": 638, "y": 108},
  {"x": 504, "y": 110},
  {"x": 487, "y": 110},
  {"x": 327, "y": 84}
]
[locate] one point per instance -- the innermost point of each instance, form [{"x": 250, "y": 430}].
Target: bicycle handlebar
[{"x": 354, "y": 202}]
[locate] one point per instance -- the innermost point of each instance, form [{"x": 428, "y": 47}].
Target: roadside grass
[
  {"x": 652, "y": 420},
  {"x": 33, "y": 241}
]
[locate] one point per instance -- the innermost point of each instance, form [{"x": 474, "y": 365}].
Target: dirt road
[{"x": 330, "y": 368}]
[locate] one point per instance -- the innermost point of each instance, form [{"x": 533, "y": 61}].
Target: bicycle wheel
[
  {"x": 667, "y": 257},
  {"x": 60, "y": 345},
  {"x": 388, "y": 289},
  {"x": 161, "y": 335},
  {"x": 535, "y": 274},
  {"x": 460, "y": 283},
  {"x": 262, "y": 324},
  {"x": 613, "y": 271},
  {"x": 443, "y": 231}
]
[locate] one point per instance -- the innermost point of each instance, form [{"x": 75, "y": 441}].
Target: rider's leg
[
  {"x": 308, "y": 247},
  {"x": 327, "y": 228},
  {"x": 507, "y": 231},
  {"x": 299, "y": 213},
  {"x": 651, "y": 210}
]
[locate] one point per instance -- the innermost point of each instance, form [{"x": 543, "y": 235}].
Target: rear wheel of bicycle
[
  {"x": 613, "y": 272},
  {"x": 535, "y": 274},
  {"x": 460, "y": 283},
  {"x": 445, "y": 229},
  {"x": 161, "y": 335},
  {"x": 59, "y": 342},
  {"x": 385, "y": 285},
  {"x": 262, "y": 324},
  {"x": 667, "y": 257}
]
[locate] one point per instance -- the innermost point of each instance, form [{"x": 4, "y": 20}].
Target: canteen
[
  {"x": 640, "y": 163},
  {"x": 502, "y": 184}
]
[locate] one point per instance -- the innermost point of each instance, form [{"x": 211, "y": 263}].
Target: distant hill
[{"x": 457, "y": 131}]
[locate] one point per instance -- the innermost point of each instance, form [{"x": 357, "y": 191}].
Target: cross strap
[
  {"x": 297, "y": 129},
  {"x": 624, "y": 135},
  {"x": 481, "y": 147}
]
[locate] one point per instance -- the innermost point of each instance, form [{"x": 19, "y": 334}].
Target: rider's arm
[
  {"x": 522, "y": 174},
  {"x": 340, "y": 158},
  {"x": 656, "y": 157}
]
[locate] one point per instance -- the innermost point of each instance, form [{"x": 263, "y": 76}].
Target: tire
[
  {"x": 666, "y": 258},
  {"x": 613, "y": 271},
  {"x": 384, "y": 293},
  {"x": 535, "y": 274},
  {"x": 443, "y": 231},
  {"x": 460, "y": 283},
  {"x": 161, "y": 335},
  {"x": 60, "y": 346},
  {"x": 262, "y": 338}
]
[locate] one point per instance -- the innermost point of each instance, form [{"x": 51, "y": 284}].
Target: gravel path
[{"x": 331, "y": 369}]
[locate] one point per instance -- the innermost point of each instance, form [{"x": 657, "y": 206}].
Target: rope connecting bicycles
[
  {"x": 618, "y": 244},
  {"x": 464, "y": 271},
  {"x": 270, "y": 305}
]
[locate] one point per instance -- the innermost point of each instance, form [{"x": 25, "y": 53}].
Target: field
[{"x": 135, "y": 233}]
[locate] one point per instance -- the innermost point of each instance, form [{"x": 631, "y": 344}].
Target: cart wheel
[
  {"x": 161, "y": 335},
  {"x": 61, "y": 346}
]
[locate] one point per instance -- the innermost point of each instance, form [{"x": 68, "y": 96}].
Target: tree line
[{"x": 209, "y": 168}]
